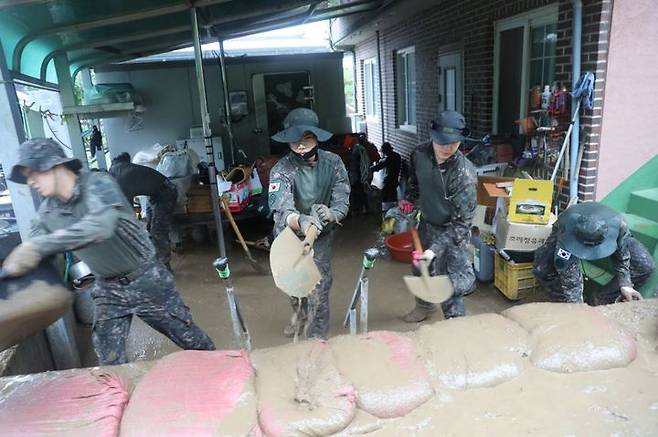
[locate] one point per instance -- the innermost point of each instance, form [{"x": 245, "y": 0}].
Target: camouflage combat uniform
[
  {"x": 98, "y": 225},
  {"x": 295, "y": 186},
  {"x": 446, "y": 196},
  {"x": 560, "y": 272}
]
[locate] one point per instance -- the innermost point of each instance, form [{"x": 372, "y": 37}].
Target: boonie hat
[
  {"x": 297, "y": 122},
  {"x": 40, "y": 154},
  {"x": 589, "y": 230}
]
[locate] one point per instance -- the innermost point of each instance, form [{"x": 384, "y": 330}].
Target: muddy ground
[{"x": 266, "y": 309}]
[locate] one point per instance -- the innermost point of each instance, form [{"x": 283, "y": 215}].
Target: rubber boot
[{"x": 418, "y": 314}]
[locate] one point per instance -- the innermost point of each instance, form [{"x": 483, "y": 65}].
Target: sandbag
[
  {"x": 386, "y": 371},
  {"x": 468, "y": 352},
  {"x": 84, "y": 402},
  {"x": 573, "y": 337},
  {"x": 194, "y": 393},
  {"x": 301, "y": 392},
  {"x": 30, "y": 303}
]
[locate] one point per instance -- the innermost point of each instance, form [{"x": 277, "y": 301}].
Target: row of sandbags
[{"x": 316, "y": 388}]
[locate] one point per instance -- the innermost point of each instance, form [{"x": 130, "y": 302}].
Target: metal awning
[{"x": 33, "y": 32}]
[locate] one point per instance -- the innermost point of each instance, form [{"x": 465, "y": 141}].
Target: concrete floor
[{"x": 266, "y": 309}]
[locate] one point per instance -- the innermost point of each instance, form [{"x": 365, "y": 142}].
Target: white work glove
[
  {"x": 427, "y": 256},
  {"x": 23, "y": 259},
  {"x": 305, "y": 222},
  {"x": 629, "y": 294},
  {"x": 324, "y": 213}
]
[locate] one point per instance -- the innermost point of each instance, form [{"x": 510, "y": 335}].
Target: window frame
[
  {"x": 371, "y": 88},
  {"x": 403, "y": 89}
]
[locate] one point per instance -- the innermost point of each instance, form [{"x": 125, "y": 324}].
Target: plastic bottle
[{"x": 546, "y": 97}]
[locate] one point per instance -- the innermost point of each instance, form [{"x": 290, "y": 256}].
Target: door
[
  {"x": 451, "y": 80},
  {"x": 275, "y": 95},
  {"x": 510, "y": 68}
]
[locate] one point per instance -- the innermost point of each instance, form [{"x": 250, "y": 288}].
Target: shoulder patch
[
  {"x": 565, "y": 255},
  {"x": 274, "y": 187}
]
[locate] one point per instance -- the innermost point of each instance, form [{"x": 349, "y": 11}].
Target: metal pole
[
  {"x": 207, "y": 135},
  {"x": 227, "y": 101}
]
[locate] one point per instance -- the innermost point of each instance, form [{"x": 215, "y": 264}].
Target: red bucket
[{"x": 400, "y": 245}]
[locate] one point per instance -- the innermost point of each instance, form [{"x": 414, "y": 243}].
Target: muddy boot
[{"x": 418, "y": 314}]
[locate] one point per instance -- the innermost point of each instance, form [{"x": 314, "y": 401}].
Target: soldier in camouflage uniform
[
  {"x": 86, "y": 213},
  {"x": 592, "y": 231},
  {"x": 442, "y": 182},
  {"x": 308, "y": 187}
]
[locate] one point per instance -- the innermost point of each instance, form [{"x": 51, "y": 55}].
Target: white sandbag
[
  {"x": 573, "y": 337},
  {"x": 386, "y": 371},
  {"x": 301, "y": 392},
  {"x": 478, "y": 351},
  {"x": 194, "y": 393}
]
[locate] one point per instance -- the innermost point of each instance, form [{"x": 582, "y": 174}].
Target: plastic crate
[{"x": 514, "y": 280}]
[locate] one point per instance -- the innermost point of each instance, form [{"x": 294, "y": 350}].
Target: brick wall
[{"x": 470, "y": 24}]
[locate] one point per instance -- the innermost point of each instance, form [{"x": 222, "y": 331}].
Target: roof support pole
[
  {"x": 67, "y": 97},
  {"x": 227, "y": 101},
  {"x": 381, "y": 82},
  {"x": 11, "y": 136},
  {"x": 207, "y": 134}
]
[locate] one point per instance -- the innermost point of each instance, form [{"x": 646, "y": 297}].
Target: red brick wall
[{"x": 470, "y": 23}]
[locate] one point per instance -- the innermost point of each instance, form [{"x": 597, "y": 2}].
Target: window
[
  {"x": 371, "y": 88},
  {"x": 542, "y": 54},
  {"x": 524, "y": 57},
  {"x": 406, "y": 74}
]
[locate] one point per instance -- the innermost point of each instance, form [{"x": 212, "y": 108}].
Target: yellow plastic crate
[{"x": 514, "y": 280}]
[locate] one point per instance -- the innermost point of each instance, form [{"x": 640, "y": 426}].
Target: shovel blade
[
  {"x": 434, "y": 289},
  {"x": 294, "y": 273}
]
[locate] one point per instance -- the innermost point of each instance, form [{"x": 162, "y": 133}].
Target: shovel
[
  {"x": 258, "y": 267},
  {"x": 292, "y": 265},
  {"x": 434, "y": 289}
]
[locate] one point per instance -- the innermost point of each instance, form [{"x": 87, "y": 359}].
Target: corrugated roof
[{"x": 92, "y": 33}]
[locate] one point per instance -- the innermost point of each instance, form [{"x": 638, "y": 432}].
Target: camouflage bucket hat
[
  {"x": 40, "y": 154},
  {"x": 448, "y": 128},
  {"x": 297, "y": 122},
  {"x": 589, "y": 230}
]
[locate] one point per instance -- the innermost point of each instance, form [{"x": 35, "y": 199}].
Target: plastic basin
[{"x": 400, "y": 246}]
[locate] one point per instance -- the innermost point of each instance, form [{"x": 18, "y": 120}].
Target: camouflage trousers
[
  {"x": 568, "y": 285},
  {"x": 451, "y": 259},
  {"x": 160, "y": 216},
  {"x": 150, "y": 294},
  {"x": 315, "y": 307}
]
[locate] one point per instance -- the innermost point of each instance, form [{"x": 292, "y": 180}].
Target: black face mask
[{"x": 308, "y": 156}]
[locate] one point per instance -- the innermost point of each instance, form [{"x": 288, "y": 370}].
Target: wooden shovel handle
[
  {"x": 414, "y": 235},
  {"x": 309, "y": 240}
]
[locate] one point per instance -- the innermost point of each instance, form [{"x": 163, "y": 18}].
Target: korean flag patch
[
  {"x": 274, "y": 187},
  {"x": 565, "y": 255}
]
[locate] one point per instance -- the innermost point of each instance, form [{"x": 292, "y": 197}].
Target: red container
[{"x": 400, "y": 245}]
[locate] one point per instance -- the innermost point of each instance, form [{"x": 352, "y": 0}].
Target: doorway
[{"x": 275, "y": 95}]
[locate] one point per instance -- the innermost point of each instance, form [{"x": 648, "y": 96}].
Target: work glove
[
  {"x": 427, "y": 255},
  {"x": 23, "y": 259},
  {"x": 305, "y": 222},
  {"x": 405, "y": 206},
  {"x": 629, "y": 294},
  {"x": 324, "y": 213}
]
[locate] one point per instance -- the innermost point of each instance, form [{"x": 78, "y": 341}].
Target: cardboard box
[
  {"x": 483, "y": 197},
  {"x": 521, "y": 237},
  {"x": 483, "y": 219},
  {"x": 531, "y": 201}
]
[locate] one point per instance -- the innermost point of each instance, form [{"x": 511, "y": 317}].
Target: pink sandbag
[
  {"x": 194, "y": 393},
  {"x": 84, "y": 402},
  {"x": 386, "y": 370}
]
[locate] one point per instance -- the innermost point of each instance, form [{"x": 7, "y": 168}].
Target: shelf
[{"x": 104, "y": 110}]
